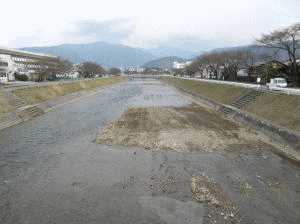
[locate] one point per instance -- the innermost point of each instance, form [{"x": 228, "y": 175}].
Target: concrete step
[
  {"x": 22, "y": 114},
  {"x": 30, "y": 112},
  {"x": 9, "y": 123},
  {"x": 225, "y": 110},
  {"x": 14, "y": 100},
  {"x": 246, "y": 99}
]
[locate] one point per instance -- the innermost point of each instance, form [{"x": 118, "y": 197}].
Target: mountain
[
  {"x": 161, "y": 52},
  {"x": 106, "y": 54},
  {"x": 163, "y": 63},
  {"x": 259, "y": 51}
]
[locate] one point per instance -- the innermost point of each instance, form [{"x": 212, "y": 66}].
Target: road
[{"x": 52, "y": 171}]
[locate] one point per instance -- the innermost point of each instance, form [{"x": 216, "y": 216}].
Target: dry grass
[
  {"x": 281, "y": 109},
  {"x": 4, "y": 105},
  {"x": 39, "y": 94},
  {"x": 190, "y": 128},
  {"x": 224, "y": 94}
]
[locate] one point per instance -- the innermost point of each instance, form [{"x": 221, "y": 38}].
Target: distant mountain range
[
  {"x": 117, "y": 55},
  {"x": 163, "y": 63},
  {"x": 258, "y": 51},
  {"x": 108, "y": 55},
  {"x": 162, "y": 52}
]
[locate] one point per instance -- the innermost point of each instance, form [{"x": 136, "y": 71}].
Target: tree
[
  {"x": 50, "y": 67},
  {"x": 193, "y": 68},
  {"x": 287, "y": 40},
  {"x": 90, "y": 69},
  {"x": 115, "y": 71}
]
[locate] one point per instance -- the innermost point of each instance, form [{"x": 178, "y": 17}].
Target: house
[{"x": 265, "y": 70}]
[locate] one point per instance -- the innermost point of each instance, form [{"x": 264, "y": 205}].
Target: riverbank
[
  {"x": 22, "y": 104},
  {"x": 279, "y": 109},
  {"x": 38, "y": 94}
]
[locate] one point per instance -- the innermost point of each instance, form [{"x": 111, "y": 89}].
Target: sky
[{"x": 185, "y": 24}]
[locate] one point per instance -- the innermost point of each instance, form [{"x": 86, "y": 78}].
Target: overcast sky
[{"x": 191, "y": 24}]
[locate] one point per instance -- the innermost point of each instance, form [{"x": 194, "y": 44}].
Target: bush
[{"x": 21, "y": 77}]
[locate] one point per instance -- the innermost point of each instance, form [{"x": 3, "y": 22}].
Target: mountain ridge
[{"x": 106, "y": 54}]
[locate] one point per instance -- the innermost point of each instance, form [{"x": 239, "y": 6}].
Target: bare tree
[
  {"x": 49, "y": 68},
  {"x": 287, "y": 40},
  {"x": 91, "y": 69},
  {"x": 115, "y": 71}
]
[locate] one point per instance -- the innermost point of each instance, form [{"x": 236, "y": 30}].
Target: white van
[{"x": 277, "y": 83}]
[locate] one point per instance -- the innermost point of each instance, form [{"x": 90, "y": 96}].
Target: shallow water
[{"x": 51, "y": 171}]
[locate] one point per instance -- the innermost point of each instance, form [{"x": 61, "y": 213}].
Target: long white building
[
  {"x": 179, "y": 65},
  {"x": 22, "y": 62}
]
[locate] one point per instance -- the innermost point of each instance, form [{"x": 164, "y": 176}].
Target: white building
[
  {"x": 133, "y": 69},
  {"x": 15, "y": 61},
  {"x": 7, "y": 68},
  {"x": 179, "y": 65}
]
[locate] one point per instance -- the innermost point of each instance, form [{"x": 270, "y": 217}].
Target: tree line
[
  {"x": 226, "y": 64},
  {"x": 49, "y": 69}
]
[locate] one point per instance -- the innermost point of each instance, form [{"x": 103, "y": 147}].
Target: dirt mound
[
  {"x": 220, "y": 208},
  {"x": 189, "y": 128}
]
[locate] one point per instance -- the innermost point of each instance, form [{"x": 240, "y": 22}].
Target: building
[
  {"x": 22, "y": 62},
  {"x": 133, "y": 69},
  {"x": 179, "y": 65},
  {"x": 7, "y": 68}
]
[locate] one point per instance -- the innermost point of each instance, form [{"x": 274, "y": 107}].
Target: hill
[
  {"x": 106, "y": 54},
  {"x": 161, "y": 52},
  {"x": 258, "y": 51}
]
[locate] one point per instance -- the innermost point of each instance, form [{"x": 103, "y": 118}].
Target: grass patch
[
  {"x": 4, "y": 105},
  {"x": 281, "y": 109},
  {"x": 224, "y": 94},
  {"x": 39, "y": 94}
]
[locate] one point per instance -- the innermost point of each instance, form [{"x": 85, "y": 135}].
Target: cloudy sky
[{"x": 188, "y": 24}]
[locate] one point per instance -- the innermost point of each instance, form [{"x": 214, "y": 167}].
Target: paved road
[{"x": 51, "y": 171}]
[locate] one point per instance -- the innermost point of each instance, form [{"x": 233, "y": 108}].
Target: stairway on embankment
[
  {"x": 244, "y": 100},
  {"x": 22, "y": 111}
]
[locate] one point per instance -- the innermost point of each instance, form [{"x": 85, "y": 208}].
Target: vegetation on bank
[
  {"x": 280, "y": 109},
  {"x": 4, "y": 105},
  {"x": 224, "y": 94},
  {"x": 43, "y": 93}
]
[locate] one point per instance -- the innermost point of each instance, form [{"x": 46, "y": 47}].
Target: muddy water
[{"x": 51, "y": 171}]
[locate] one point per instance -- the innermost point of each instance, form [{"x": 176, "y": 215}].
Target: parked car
[{"x": 277, "y": 83}]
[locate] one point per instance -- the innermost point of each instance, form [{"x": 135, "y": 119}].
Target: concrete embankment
[{"x": 21, "y": 104}]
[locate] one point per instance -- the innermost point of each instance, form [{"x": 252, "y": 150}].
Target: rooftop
[{"x": 24, "y": 53}]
